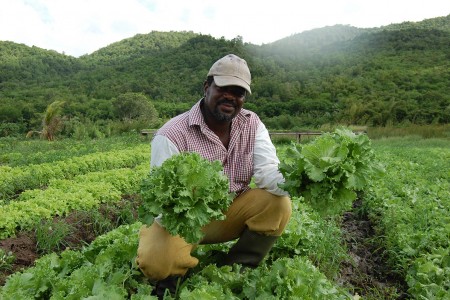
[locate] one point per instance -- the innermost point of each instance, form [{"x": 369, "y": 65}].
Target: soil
[
  {"x": 24, "y": 245},
  {"x": 366, "y": 274}
]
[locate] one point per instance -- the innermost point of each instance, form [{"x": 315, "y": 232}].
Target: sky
[{"x": 78, "y": 27}]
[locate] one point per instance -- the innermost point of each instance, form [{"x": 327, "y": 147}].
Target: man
[{"x": 218, "y": 128}]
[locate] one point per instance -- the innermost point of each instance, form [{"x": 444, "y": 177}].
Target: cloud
[
  {"x": 78, "y": 27},
  {"x": 40, "y": 9}
]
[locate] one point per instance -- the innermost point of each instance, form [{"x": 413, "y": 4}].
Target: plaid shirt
[{"x": 189, "y": 133}]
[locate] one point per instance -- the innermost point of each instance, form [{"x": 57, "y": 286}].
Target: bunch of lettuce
[
  {"x": 330, "y": 170},
  {"x": 189, "y": 191},
  {"x": 285, "y": 278}
]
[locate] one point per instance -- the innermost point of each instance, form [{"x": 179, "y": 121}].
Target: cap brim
[{"x": 231, "y": 80}]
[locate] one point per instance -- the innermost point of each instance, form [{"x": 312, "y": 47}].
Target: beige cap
[{"x": 231, "y": 70}]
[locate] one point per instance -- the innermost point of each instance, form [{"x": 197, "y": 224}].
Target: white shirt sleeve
[
  {"x": 265, "y": 163},
  {"x": 162, "y": 148}
]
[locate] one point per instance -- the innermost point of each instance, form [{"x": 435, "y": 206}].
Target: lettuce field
[{"x": 371, "y": 220}]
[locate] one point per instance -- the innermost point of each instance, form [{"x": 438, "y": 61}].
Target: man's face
[{"x": 223, "y": 103}]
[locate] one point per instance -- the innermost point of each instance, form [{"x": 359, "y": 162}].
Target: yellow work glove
[{"x": 161, "y": 255}]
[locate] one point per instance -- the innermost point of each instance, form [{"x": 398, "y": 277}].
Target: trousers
[{"x": 161, "y": 255}]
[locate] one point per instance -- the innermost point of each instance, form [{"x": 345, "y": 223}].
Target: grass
[
  {"x": 411, "y": 131},
  {"x": 55, "y": 235},
  {"x": 50, "y": 236}
]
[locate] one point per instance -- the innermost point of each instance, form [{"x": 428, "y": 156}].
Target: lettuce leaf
[
  {"x": 189, "y": 191},
  {"x": 328, "y": 171}
]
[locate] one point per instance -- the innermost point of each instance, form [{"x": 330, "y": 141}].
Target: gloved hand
[{"x": 161, "y": 255}]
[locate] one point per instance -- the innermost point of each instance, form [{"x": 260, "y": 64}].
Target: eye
[
  {"x": 234, "y": 90},
  {"x": 220, "y": 89},
  {"x": 239, "y": 92}
]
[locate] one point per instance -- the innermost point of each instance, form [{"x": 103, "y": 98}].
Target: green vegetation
[
  {"x": 16, "y": 152},
  {"x": 189, "y": 190},
  {"x": 389, "y": 76},
  {"x": 6, "y": 260},
  {"x": 62, "y": 196},
  {"x": 309, "y": 234},
  {"x": 286, "y": 278},
  {"x": 51, "y": 236},
  {"x": 328, "y": 171},
  {"x": 411, "y": 208},
  {"x": 411, "y": 131},
  {"x": 17, "y": 179},
  {"x": 388, "y": 81},
  {"x": 104, "y": 269},
  {"x": 408, "y": 207}
]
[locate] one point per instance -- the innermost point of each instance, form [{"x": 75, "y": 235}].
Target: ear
[{"x": 205, "y": 87}]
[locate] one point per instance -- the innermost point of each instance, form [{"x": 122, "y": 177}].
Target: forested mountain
[{"x": 394, "y": 74}]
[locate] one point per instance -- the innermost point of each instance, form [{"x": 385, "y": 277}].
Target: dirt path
[{"x": 368, "y": 274}]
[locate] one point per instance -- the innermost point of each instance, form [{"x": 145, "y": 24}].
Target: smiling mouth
[
  {"x": 227, "y": 107},
  {"x": 227, "y": 104}
]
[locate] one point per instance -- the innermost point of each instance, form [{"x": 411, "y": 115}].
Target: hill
[{"x": 338, "y": 74}]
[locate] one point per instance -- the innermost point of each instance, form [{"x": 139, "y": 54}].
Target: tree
[
  {"x": 133, "y": 106},
  {"x": 52, "y": 122}
]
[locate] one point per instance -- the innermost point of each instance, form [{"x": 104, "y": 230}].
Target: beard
[{"x": 222, "y": 117}]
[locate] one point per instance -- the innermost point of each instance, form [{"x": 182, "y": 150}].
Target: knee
[
  {"x": 160, "y": 254},
  {"x": 283, "y": 206},
  {"x": 280, "y": 204},
  {"x": 280, "y": 208}
]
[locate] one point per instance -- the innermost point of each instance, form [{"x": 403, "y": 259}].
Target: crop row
[
  {"x": 302, "y": 264},
  {"x": 411, "y": 206},
  {"x": 83, "y": 192},
  {"x": 18, "y": 179},
  {"x": 16, "y": 153},
  {"x": 106, "y": 269}
]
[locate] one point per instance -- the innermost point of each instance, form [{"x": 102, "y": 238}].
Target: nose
[
  {"x": 228, "y": 94},
  {"x": 232, "y": 93}
]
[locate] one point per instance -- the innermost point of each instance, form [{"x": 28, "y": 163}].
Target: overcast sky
[{"x": 78, "y": 27}]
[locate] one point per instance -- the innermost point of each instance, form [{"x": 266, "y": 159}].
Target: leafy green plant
[
  {"x": 308, "y": 234},
  {"x": 17, "y": 152},
  {"x": 126, "y": 210},
  {"x": 13, "y": 180},
  {"x": 189, "y": 191},
  {"x": 6, "y": 260},
  {"x": 84, "y": 192},
  {"x": 52, "y": 122},
  {"x": 429, "y": 275},
  {"x": 105, "y": 270},
  {"x": 286, "y": 278},
  {"x": 328, "y": 171},
  {"x": 411, "y": 209}
]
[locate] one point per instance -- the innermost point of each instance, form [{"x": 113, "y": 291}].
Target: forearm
[{"x": 265, "y": 163}]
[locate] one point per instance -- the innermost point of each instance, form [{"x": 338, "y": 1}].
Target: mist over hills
[{"x": 395, "y": 74}]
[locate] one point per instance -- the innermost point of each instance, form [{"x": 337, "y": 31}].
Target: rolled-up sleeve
[
  {"x": 161, "y": 148},
  {"x": 265, "y": 163}
]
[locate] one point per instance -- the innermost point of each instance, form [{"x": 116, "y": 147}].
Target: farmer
[{"x": 218, "y": 128}]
